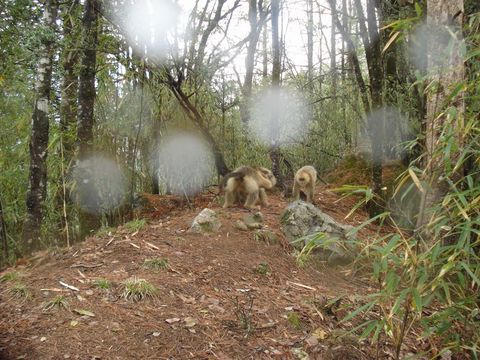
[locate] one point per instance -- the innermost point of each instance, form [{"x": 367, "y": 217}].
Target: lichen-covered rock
[
  {"x": 302, "y": 222},
  {"x": 253, "y": 221},
  {"x": 205, "y": 222},
  {"x": 266, "y": 236},
  {"x": 240, "y": 225}
]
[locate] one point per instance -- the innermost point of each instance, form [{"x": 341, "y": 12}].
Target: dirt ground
[{"x": 222, "y": 296}]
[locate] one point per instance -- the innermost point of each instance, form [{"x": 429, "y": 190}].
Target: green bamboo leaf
[
  {"x": 470, "y": 272},
  {"x": 363, "y": 308},
  {"x": 417, "y": 300},
  {"x": 418, "y": 9},
  {"x": 398, "y": 302}
]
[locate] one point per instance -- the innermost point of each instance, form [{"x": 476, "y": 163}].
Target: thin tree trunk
[
  {"x": 68, "y": 109},
  {"x": 86, "y": 100},
  {"x": 346, "y": 130},
  {"x": 37, "y": 186},
  {"x": 265, "y": 53},
  {"x": 376, "y": 123},
  {"x": 333, "y": 50},
  {"x": 274, "y": 151},
  {"x": 255, "y": 28},
  {"x": 68, "y": 102},
  {"x": 3, "y": 237},
  {"x": 86, "y": 93},
  {"x": 310, "y": 46}
]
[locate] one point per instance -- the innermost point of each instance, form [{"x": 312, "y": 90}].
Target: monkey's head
[
  {"x": 269, "y": 175},
  {"x": 302, "y": 180}
]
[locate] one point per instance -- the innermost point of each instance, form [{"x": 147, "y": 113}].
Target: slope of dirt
[{"x": 223, "y": 296}]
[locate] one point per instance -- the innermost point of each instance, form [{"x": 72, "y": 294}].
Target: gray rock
[
  {"x": 266, "y": 236},
  {"x": 205, "y": 222},
  {"x": 256, "y": 218},
  {"x": 302, "y": 223},
  {"x": 240, "y": 225},
  {"x": 253, "y": 226}
]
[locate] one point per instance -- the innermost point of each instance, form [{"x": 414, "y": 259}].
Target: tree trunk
[
  {"x": 376, "y": 123},
  {"x": 333, "y": 50},
  {"x": 265, "y": 53},
  {"x": 255, "y": 29},
  {"x": 276, "y": 61},
  {"x": 439, "y": 14},
  {"x": 310, "y": 46},
  {"x": 86, "y": 100},
  {"x": 37, "y": 186},
  {"x": 86, "y": 93},
  {"x": 274, "y": 151},
  {"x": 3, "y": 237},
  {"x": 68, "y": 109},
  {"x": 68, "y": 102}
]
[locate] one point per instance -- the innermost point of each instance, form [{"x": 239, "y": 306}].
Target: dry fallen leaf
[
  {"x": 190, "y": 322},
  {"x": 84, "y": 312},
  {"x": 320, "y": 334},
  {"x": 172, "y": 320}
]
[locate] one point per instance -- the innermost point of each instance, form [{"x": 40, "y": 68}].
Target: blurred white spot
[
  {"x": 147, "y": 24},
  {"x": 99, "y": 185},
  {"x": 184, "y": 162},
  {"x": 396, "y": 130},
  {"x": 435, "y": 49},
  {"x": 279, "y": 116}
]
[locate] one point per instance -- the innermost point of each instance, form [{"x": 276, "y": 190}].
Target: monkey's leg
[
  {"x": 252, "y": 199},
  {"x": 263, "y": 197},
  {"x": 296, "y": 192},
  {"x": 229, "y": 199},
  {"x": 310, "y": 196}
]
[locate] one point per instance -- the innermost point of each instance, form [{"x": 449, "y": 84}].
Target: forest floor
[{"x": 222, "y": 296}]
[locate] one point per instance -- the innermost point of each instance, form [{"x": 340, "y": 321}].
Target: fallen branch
[
  {"x": 301, "y": 285},
  {"x": 88, "y": 266},
  {"x": 69, "y": 286}
]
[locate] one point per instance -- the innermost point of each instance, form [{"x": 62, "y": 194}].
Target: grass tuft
[
  {"x": 59, "y": 301},
  {"x": 263, "y": 269},
  {"x": 156, "y": 264},
  {"x": 19, "y": 291},
  {"x": 135, "y": 225},
  {"x": 103, "y": 284},
  {"x": 11, "y": 276},
  {"x": 138, "y": 289}
]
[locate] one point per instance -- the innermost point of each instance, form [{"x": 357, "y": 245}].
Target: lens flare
[
  {"x": 184, "y": 162},
  {"x": 396, "y": 130},
  {"x": 147, "y": 25},
  {"x": 435, "y": 49},
  {"x": 100, "y": 185},
  {"x": 279, "y": 117}
]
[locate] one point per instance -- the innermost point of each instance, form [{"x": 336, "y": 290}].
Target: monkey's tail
[{"x": 235, "y": 174}]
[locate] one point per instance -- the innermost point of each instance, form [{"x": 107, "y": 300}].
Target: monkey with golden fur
[
  {"x": 304, "y": 182},
  {"x": 248, "y": 184}
]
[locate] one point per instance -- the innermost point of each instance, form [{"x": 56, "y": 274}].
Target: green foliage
[
  {"x": 11, "y": 276},
  {"x": 429, "y": 279},
  {"x": 103, "y": 284},
  {"x": 156, "y": 264},
  {"x": 294, "y": 320},
  {"x": 135, "y": 225},
  {"x": 138, "y": 289},
  {"x": 263, "y": 269}
]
